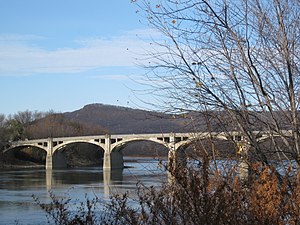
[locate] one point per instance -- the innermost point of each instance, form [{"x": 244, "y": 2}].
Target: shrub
[
  {"x": 195, "y": 196},
  {"x": 209, "y": 197}
]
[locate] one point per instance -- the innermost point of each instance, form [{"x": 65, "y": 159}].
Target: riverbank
[{"x": 6, "y": 164}]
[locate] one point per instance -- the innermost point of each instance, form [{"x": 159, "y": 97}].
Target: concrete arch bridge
[{"x": 113, "y": 144}]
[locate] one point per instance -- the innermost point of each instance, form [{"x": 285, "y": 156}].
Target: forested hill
[
  {"x": 116, "y": 119},
  {"x": 97, "y": 119}
]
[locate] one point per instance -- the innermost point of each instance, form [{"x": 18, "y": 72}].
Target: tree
[
  {"x": 4, "y": 136},
  {"x": 24, "y": 117},
  {"x": 236, "y": 62},
  {"x": 15, "y": 129},
  {"x": 57, "y": 125}
]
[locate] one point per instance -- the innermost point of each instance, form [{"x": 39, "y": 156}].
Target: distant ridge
[{"x": 118, "y": 119}]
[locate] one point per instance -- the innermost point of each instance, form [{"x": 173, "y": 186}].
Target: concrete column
[
  {"x": 50, "y": 145},
  {"x": 54, "y": 161},
  {"x": 172, "y": 141},
  {"x": 48, "y": 179},
  {"x": 172, "y": 165},
  {"x": 107, "y": 150},
  {"x": 49, "y": 162},
  {"x": 176, "y": 156},
  {"x": 171, "y": 160},
  {"x": 112, "y": 159},
  {"x": 107, "y": 144},
  {"x": 171, "y": 157},
  {"x": 243, "y": 165},
  {"x": 106, "y": 160}
]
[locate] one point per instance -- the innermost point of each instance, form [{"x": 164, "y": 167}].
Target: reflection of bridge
[
  {"x": 113, "y": 144},
  {"x": 59, "y": 178}
]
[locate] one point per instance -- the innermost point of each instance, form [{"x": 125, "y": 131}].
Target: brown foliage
[
  {"x": 56, "y": 125},
  {"x": 208, "y": 197},
  {"x": 267, "y": 195},
  {"x": 195, "y": 196}
]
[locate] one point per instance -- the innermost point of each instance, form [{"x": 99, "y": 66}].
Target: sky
[{"x": 63, "y": 54}]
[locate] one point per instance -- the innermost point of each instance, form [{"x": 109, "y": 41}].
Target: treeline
[
  {"x": 13, "y": 126},
  {"x": 34, "y": 124}
]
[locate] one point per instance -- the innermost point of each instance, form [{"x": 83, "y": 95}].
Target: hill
[{"x": 123, "y": 120}]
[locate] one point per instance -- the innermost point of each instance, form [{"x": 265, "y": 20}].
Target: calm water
[{"x": 18, "y": 186}]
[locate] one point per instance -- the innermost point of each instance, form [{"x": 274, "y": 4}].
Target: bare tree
[
  {"x": 238, "y": 61},
  {"x": 24, "y": 117},
  {"x": 2, "y": 120},
  {"x": 3, "y": 132}
]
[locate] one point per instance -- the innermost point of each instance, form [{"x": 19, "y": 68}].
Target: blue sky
[{"x": 64, "y": 54}]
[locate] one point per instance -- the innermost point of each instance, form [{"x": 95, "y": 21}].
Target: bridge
[{"x": 113, "y": 144}]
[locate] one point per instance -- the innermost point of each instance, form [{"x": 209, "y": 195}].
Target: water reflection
[
  {"x": 49, "y": 179},
  {"x": 107, "y": 177}
]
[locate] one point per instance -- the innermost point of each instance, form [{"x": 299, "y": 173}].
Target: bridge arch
[
  {"x": 63, "y": 144},
  {"x": 113, "y": 157},
  {"x": 24, "y": 146},
  {"x": 27, "y": 155},
  {"x": 118, "y": 146},
  {"x": 217, "y": 145},
  {"x": 74, "y": 153}
]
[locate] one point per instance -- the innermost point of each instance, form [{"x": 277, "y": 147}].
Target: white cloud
[{"x": 20, "y": 55}]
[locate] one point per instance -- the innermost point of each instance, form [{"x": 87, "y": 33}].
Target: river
[{"x": 17, "y": 187}]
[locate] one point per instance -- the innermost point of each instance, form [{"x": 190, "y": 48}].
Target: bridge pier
[
  {"x": 176, "y": 157},
  {"x": 243, "y": 164},
  {"x": 56, "y": 160},
  {"x": 112, "y": 159},
  {"x": 49, "y": 160}
]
